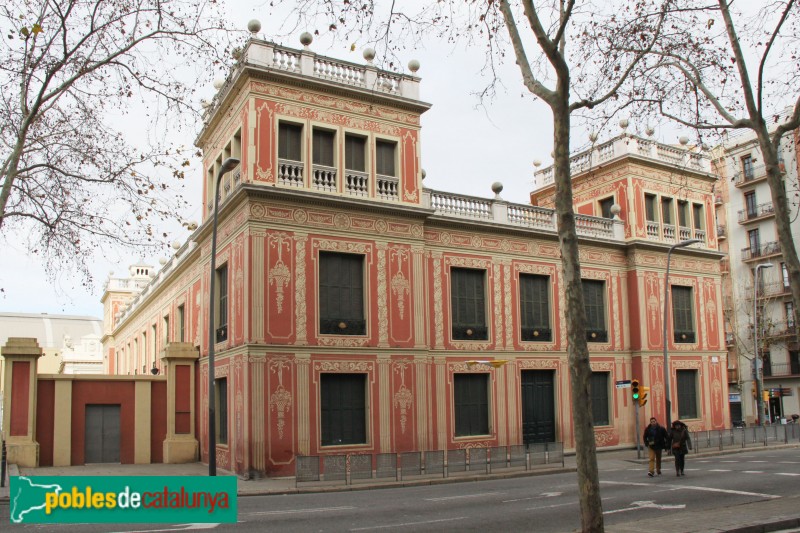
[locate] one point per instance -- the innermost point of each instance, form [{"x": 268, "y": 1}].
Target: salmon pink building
[{"x": 359, "y": 312}]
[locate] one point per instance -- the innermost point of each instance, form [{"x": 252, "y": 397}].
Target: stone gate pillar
[
  {"x": 179, "y": 360},
  {"x": 19, "y": 401}
]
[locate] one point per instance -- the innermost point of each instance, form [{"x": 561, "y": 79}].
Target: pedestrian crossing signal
[{"x": 635, "y": 389}]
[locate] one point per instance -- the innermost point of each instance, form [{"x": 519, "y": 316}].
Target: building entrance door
[
  {"x": 101, "y": 443},
  {"x": 538, "y": 406}
]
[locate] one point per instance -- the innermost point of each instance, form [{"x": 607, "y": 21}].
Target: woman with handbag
[{"x": 679, "y": 444}]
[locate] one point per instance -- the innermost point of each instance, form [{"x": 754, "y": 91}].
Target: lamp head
[{"x": 228, "y": 165}]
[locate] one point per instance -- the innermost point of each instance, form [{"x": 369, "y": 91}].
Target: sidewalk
[{"x": 757, "y": 517}]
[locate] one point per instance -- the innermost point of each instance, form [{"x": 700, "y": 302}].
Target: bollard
[{"x": 3, "y": 466}]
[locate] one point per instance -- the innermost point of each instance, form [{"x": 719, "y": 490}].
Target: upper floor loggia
[{"x": 299, "y": 120}]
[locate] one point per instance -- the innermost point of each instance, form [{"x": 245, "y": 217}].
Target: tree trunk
[
  {"x": 580, "y": 370},
  {"x": 769, "y": 152}
]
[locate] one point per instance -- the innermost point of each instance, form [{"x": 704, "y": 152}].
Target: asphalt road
[{"x": 537, "y": 503}]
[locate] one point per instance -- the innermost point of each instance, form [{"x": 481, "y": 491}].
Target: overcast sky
[{"x": 465, "y": 148}]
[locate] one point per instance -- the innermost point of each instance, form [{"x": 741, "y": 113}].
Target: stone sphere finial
[
  {"x": 306, "y": 39},
  {"x": 369, "y": 54},
  {"x": 497, "y": 188},
  {"x": 176, "y": 245},
  {"x": 162, "y": 261},
  {"x": 623, "y": 123},
  {"x": 537, "y": 163},
  {"x": 218, "y": 83},
  {"x": 593, "y": 136},
  {"x": 205, "y": 103},
  {"x": 649, "y": 130},
  {"x": 616, "y": 209},
  {"x": 254, "y": 26},
  {"x": 413, "y": 65},
  {"x": 684, "y": 140}
]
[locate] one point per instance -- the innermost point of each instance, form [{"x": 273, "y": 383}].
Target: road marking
[
  {"x": 751, "y": 461},
  {"x": 295, "y": 511},
  {"x": 447, "y": 498},
  {"x": 786, "y": 474},
  {"x": 789, "y": 462},
  {"x": 550, "y": 506},
  {"x": 543, "y": 495},
  {"x": 692, "y": 487},
  {"x": 720, "y": 470},
  {"x": 406, "y": 524},
  {"x": 179, "y": 527},
  {"x": 649, "y": 504},
  {"x": 752, "y": 472}
]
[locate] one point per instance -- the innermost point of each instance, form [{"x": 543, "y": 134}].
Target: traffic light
[
  {"x": 635, "y": 389},
  {"x": 643, "y": 396}
]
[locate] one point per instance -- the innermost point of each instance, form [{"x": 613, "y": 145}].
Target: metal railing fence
[{"x": 749, "y": 437}]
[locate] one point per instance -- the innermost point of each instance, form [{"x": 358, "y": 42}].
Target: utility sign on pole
[{"x": 623, "y": 384}]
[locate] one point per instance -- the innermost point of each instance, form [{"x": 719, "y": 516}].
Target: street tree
[
  {"x": 78, "y": 79},
  {"x": 719, "y": 69},
  {"x": 535, "y": 35}
]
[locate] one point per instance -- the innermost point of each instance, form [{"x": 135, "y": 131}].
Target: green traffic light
[{"x": 635, "y": 395}]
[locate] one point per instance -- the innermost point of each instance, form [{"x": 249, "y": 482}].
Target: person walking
[
  {"x": 679, "y": 443},
  {"x": 655, "y": 438}
]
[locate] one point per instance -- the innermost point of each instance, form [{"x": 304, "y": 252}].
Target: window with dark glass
[
  {"x": 322, "y": 142},
  {"x": 222, "y": 303},
  {"x": 594, "y": 302},
  {"x": 471, "y": 401},
  {"x": 535, "y": 307},
  {"x": 683, "y": 214},
  {"x": 697, "y": 216},
  {"x": 468, "y": 304},
  {"x": 290, "y": 141},
  {"x": 754, "y": 238},
  {"x": 682, "y": 319},
  {"x": 794, "y": 362},
  {"x": 650, "y": 207},
  {"x": 181, "y": 323},
  {"x": 384, "y": 158},
  {"x": 750, "y": 204},
  {"x": 666, "y": 210},
  {"x": 341, "y": 294},
  {"x": 221, "y": 409},
  {"x": 788, "y": 309},
  {"x": 354, "y": 152},
  {"x": 747, "y": 167},
  {"x": 687, "y": 393},
  {"x": 605, "y": 207},
  {"x": 599, "y": 392},
  {"x": 343, "y": 404}
]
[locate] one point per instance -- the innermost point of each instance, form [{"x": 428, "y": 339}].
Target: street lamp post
[
  {"x": 227, "y": 165},
  {"x": 757, "y": 366},
  {"x": 681, "y": 244}
]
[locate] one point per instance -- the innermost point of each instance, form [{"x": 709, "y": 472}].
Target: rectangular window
[
  {"x": 151, "y": 363},
  {"x": 683, "y": 214},
  {"x": 666, "y": 210},
  {"x": 341, "y": 294},
  {"x": 143, "y": 359},
  {"x": 221, "y": 409},
  {"x": 788, "y": 309},
  {"x": 323, "y": 147},
  {"x": 697, "y": 216},
  {"x": 594, "y": 302},
  {"x": 535, "y": 307},
  {"x": 650, "y": 207},
  {"x": 222, "y": 303},
  {"x": 747, "y": 167},
  {"x": 181, "y": 323},
  {"x": 682, "y": 318},
  {"x": 355, "y": 148},
  {"x": 471, "y": 401},
  {"x": 599, "y": 391},
  {"x": 687, "y": 393},
  {"x": 165, "y": 332},
  {"x": 785, "y": 277},
  {"x": 605, "y": 207},
  {"x": 754, "y": 238},
  {"x": 290, "y": 141},
  {"x": 468, "y": 304},
  {"x": 750, "y": 204},
  {"x": 343, "y": 404},
  {"x": 384, "y": 158}
]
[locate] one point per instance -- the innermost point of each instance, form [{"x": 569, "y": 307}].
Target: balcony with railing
[
  {"x": 291, "y": 173},
  {"x": 782, "y": 329},
  {"x": 755, "y": 174},
  {"x": 774, "y": 289},
  {"x": 781, "y": 370},
  {"x": 722, "y": 231},
  {"x": 756, "y": 213},
  {"x": 751, "y": 253},
  {"x": 733, "y": 375},
  {"x": 629, "y": 145}
]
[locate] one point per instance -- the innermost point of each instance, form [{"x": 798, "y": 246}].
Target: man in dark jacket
[
  {"x": 655, "y": 438},
  {"x": 679, "y": 443}
]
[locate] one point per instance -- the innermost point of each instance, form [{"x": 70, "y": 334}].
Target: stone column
[
  {"x": 19, "y": 402},
  {"x": 181, "y": 444}
]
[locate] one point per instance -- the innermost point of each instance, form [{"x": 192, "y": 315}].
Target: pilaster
[
  {"x": 19, "y": 402},
  {"x": 181, "y": 445}
]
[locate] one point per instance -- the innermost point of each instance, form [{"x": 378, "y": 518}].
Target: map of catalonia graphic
[{"x": 33, "y": 493}]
